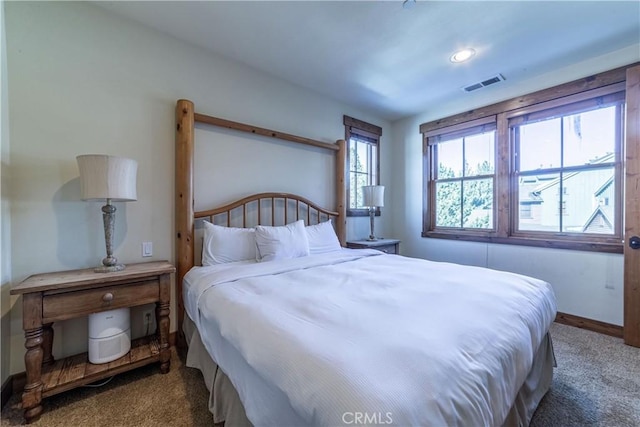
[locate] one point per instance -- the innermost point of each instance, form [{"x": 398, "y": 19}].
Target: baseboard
[
  {"x": 15, "y": 383},
  {"x": 7, "y": 390},
  {"x": 589, "y": 324}
]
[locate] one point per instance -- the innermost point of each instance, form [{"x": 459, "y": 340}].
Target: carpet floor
[{"x": 596, "y": 383}]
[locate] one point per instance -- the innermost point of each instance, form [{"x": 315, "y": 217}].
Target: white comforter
[{"x": 381, "y": 339}]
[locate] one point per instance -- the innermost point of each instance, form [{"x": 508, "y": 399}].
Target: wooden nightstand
[
  {"x": 389, "y": 246},
  {"x": 50, "y": 297}
]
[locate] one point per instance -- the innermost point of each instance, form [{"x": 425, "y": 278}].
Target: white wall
[
  {"x": 5, "y": 214},
  {"x": 578, "y": 278},
  {"x": 85, "y": 81}
]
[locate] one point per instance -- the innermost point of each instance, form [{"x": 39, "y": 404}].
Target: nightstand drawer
[
  {"x": 67, "y": 305},
  {"x": 387, "y": 249}
]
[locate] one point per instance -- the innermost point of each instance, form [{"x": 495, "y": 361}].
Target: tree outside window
[{"x": 464, "y": 195}]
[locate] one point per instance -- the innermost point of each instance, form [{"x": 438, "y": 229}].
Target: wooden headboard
[
  {"x": 312, "y": 212},
  {"x": 186, "y": 118}
]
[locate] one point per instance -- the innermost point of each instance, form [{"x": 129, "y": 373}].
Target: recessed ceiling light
[{"x": 463, "y": 55}]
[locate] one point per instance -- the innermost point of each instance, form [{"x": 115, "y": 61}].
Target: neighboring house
[
  {"x": 602, "y": 219},
  {"x": 586, "y": 202}
]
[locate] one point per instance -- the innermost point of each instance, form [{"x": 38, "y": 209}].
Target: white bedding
[{"x": 321, "y": 340}]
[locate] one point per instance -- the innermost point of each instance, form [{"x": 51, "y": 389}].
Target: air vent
[{"x": 491, "y": 80}]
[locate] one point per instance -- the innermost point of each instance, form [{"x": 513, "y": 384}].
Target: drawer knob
[{"x": 108, "y": 297}]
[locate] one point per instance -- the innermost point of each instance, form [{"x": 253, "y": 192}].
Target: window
[
  {"x": 544, "y": 174},
  {"x": 565, "y": 161},
  {"x": 363, "y": 161},
  {"x": 462, "y": 182}
]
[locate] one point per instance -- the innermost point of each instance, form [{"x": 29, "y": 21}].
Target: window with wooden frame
[
  {"x": 462, "y": 177},
  {"x": 567, "y": 166},
  {"x": 363, "y": 161},
  {"x": 546, "y": 174}
]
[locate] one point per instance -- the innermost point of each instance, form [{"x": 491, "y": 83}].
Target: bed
[{"x": 316, "y": 334}]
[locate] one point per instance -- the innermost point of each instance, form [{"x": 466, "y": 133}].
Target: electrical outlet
[
  {"x": 147, "y": 249},
  {"x": 146, "y": 317}
]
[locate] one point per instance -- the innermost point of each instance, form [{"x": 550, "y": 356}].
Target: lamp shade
[
  {"x": 373, "y": 195},
  {"x": 107, "y": 177}
]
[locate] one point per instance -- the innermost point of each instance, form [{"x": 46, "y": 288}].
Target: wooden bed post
[
  {"x": 341, "y": 194},
  {"x": 186, "y": 117},
  {"x": 183, "y": 203}
]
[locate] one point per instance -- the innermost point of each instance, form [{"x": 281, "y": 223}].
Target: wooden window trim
[
  {"x": 613, "y": 97},
  {"x": 601, "y": 96},
  {"x": 615, "y": 248},
  {"x": 361, "y": 125},
  {"x": 607, "y": 78},
  {"x": 372, "y": 134},
  {"x": 429, "y": 197},
  {"x": 607, "y": 85}
]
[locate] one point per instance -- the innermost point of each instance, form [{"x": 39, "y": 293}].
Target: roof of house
[
  {"x": 604, "y": 159},
  {"x": 606, "y": 212},
  {"x": 604, "y": 187}
]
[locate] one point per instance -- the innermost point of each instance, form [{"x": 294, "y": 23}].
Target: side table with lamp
[
  {"x": 388, "y": 246},
  {"x": 373, "y": 198},
  {"x": 109, "y": 288}
]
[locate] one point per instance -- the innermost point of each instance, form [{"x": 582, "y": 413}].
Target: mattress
[{"x": 398, "y": 340}]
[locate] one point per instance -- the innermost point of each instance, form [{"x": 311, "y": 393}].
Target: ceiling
[{"x": 391, "y": 60}]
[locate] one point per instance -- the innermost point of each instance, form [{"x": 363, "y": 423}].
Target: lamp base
[
  {"x": 109, "y": 268},
  {"x": 373, "y": 239},
  {"x": 372, "y": 216},
  {"x": 109, "y": 263}
]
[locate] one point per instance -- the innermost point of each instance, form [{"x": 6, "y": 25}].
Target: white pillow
[
  {"x": 227, "y": 244},
  {"x": 322, "y": 238},
  {"x": 289, "y": 241}
]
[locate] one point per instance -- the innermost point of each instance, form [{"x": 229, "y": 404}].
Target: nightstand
[
  {"x": 51, "y": 297},
  {"x": 389, "y": 246}
]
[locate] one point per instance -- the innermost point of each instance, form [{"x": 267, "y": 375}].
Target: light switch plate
[{"x": 147, "y": 249}]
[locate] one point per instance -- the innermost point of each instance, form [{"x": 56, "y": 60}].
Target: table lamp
[
  {"x": 373, "y": 197},
  {"x": 112, "y": 179}
]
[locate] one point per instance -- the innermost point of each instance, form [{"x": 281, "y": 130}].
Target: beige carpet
[
  {"x": 142, "y": 397},
  {"x": 597, "y": 383}
]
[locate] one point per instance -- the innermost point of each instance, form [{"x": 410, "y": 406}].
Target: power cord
[
  {"x": 148, "y": 322},
  {"x": 100, "y": 384}
]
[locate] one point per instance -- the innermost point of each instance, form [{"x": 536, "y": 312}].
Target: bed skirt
[{"x": 227, "y": 409}]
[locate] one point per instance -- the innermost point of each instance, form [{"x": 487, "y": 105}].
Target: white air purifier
[{"x": 109, "y": 335}]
